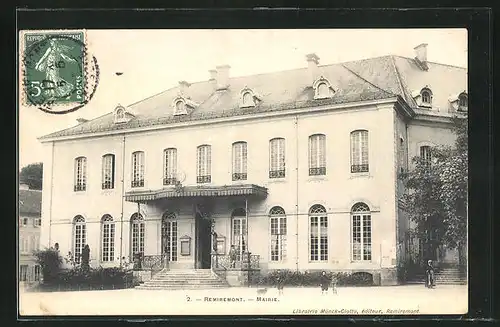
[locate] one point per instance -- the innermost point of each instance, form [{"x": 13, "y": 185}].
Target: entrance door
[
  {"x": 204, "y": 247},
  {"x": 169, "y": 237},
  {"x": 239, "y": 235}
]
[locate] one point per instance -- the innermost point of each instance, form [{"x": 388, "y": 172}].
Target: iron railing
[
  {"x": 154, "y": 263},
  {"x": 239, "y": 176},
  {"x": 277, "y": 173},
  {"x": 317, "y": 171},
  {"x": 80, "y": 187},
  {"x": 204, "y": 179},
  {"x": 138, "y": 183},
  {"x": 359, "y": 168}
]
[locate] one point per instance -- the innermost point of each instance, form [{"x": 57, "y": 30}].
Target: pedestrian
[
  {"x": 334, "y": 285},
  {"x": 232, "y": 256},
  {"x": 324, "y": 282},
  {"x": 280, "y": 282},
  {"x": 429, "y": 275}
]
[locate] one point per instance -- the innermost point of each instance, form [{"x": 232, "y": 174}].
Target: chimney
[
  {"x": 223, "y": 77},
  {"x": 312, "y": 67},
  {"x": 421, "y": 55},
  {"x": 183, "y": 87},
  {"x": 213, "y": 78},
  {"x": 81, "y": 120}
]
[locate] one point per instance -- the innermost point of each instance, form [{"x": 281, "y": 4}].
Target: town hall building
[{"x": 295, "y": 169}]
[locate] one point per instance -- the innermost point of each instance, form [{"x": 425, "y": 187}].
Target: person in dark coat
[
  {"x": 324, "y": 282},
  {"x": 232, "y": 256},
  {"x": 280, "y": 282},
  {"x": 429, "y": 275}
]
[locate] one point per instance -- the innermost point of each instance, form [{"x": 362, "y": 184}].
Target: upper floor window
[
  {"x": 318, "y": 231},
  {"x": 317, "y": 154},
  {"x": 80, "y": 174},
  {"x": 138, "y": 169},
  {"x": 107, "y": 239},
  {"x": 239, "y": 161},
  {"x": 170, "y": 166},
  {"x": 38, "y": 222},
  {"x": 425, "y": 155},
  {"x": 359, "y": 151},
  {"x": 463, "y": 101},
  {"x": 203, "y": 164},
  {"x": 361, "y": 240},
  {"x": 277, "y": 158},
  {"x": 277, "y": 220},
  {"x": 108, "y": 171}
]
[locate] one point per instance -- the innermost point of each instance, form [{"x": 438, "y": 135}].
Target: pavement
[{"x": 386, "y": 300}]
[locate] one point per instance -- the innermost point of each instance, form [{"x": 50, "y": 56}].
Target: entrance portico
[{"x": 184, "y": 217}]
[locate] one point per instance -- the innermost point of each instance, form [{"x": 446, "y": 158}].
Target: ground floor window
[
  {"x": 277, "y": 220},
  {"x": 23, "y": 273},
  {"x": 37, "y": 273},
  {"x": 169, "y": 236},
  {"x": 361, "y": 232},
  {"x": 318, "y": 231},
  {"x": 137, "y": 234},
  {"x": 239, "y": 232}
]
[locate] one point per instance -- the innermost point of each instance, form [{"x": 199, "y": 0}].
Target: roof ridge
[
  {"x": 402, "y": 84},
  {"x": 431, "y": 62},
  {"x": 367, "y": 81}
]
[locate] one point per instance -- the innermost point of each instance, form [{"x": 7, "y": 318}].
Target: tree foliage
[
  {"x": 436, "y": 193},
  {"x": 32, "y": 175}
]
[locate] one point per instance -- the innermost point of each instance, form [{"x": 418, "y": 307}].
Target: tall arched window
[
  {"x": 277, "y": 221},
  {"x": 107, "y": 239},
  {"x": 169, "y": 235},
  {"x": 277, "y": 158},
  {"x": 359, "y": 151},
  {"x": 138, "y": 169},
  {"x": 80, "y": 174},
  {"x": 203, "y": 164},
  {"x": 239, "y": 161},
  {"x": 137, "y": 233},
  {"x": 318, "y": 231},
  {"x": 317, "y": 154},
  {"x": 361, "y": 240},
  {"x": 170, "y": 166},
  {"x": 425, "y": 155},
  {"x": 239, "y": 231},
  {"x": 108, "y": 171},
  {"x": 79, "y": 237}
]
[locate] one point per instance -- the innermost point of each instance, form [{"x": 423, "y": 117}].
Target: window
[
  {"x": 425, "y": 155},
  {"x": 33, "y": 246},
  {"x": 170, "y": 166},
  {"x": 277, "y": 220},
  {"x": 24, "y": 244},
  {"x": 317, "y": 155},
  {"x": 80, "y": 174},
  {"x": 239, "y": 161},
  {"x": 37, "y": 272},
  {"x": 180, "y": 107},
  {"x": 79, "y": 237},
  {"x": 318, "y": 229},
  {"x": 426, "y": 95},
  {"x": 23, "y": 273},
  {"x": 107, "y": 239},
  {"x": 359, "y": 151},
  {"x": 203, "y": 164},
  {"x": 169, "y": 236},
  {"x": 402, "y": 160},
  {"x": 361, "y": 240},
  {"x": 247, "y": 100},
  {"x": 120, "y": 114},
  {"x": 108, "y": 171},
  {"x": 323, "y": 91},
  {"x": 24, "y": 221},
  {"x": 463, "y": 102},
  {"x": 138, "y": 169},
  {"x": 277, "y": 158},
  {"x": 38, "y": 222},
  {"x": 239, "y": 232},
  {"x": 137, "y": 232}
]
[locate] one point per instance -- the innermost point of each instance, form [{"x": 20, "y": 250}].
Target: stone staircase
[
  {"x": 443, "y": 276},
  {"x": 183, "y": 279}
]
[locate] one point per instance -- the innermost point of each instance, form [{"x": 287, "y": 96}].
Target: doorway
[{"x": 204, "y": 242}]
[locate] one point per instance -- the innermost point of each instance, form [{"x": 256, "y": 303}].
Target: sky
[{"x": 155, "y": 60}]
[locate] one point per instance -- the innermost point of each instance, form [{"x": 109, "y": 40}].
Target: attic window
[
  {"x": 463, "y": 100},
  {"x": 120, "y": 114},
  {"x": 322, "y": 89},
  {"x": 426, "y": 95},
  {"x": 180, "y": 107},
  {"x": 247, "y": 100}
]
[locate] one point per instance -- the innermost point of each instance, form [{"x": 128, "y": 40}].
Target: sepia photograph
[{"x": 242, "y": 172}]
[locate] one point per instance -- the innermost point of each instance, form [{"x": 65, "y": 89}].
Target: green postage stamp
[{"x": 55, "y": 68}]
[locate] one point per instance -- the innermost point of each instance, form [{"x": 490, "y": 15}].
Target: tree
[
  {"x": 436, "y": 193},
  {"x": 32, "y": 175}
]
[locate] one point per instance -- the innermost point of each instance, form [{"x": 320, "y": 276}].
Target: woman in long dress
[{"x": 54, "y": 85}]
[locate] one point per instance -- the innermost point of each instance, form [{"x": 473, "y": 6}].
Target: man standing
[
  {"x": 429, "y": 275},
  {"x": 232, "y": 256}
]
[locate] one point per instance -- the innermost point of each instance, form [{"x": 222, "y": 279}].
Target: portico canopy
[{"x": 197, "y": 191}]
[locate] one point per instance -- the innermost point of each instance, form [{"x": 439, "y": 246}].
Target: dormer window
[
  {"x": 426, "y": 97},
  {"x": 121, "y": 115},
  {"x": 463, "y": 101},
  {"x": 181, "y": 105},
  {"x": 322, "y": 89},
  {"x": 249, "y": 98}
]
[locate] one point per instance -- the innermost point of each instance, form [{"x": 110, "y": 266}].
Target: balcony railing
[
  {"x": 204, "y": 179},
  {"x": 138, "y": 183},
  {"x": 107, "y": 185},
  {"x": 169, "y": 181},
  {"x": 359, "y": 168},
  {"x": 80, "y": 187},
  {"x": 239, "y": 176},
  {"x": 317, "y": 171},
  {"x": 277, "y": 173}
]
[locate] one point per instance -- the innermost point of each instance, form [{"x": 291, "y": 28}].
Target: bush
[
  {"x": 312, "y": 279},
  {"x": 50, "y": 263},
  {"x": 96, "y": 278}
]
